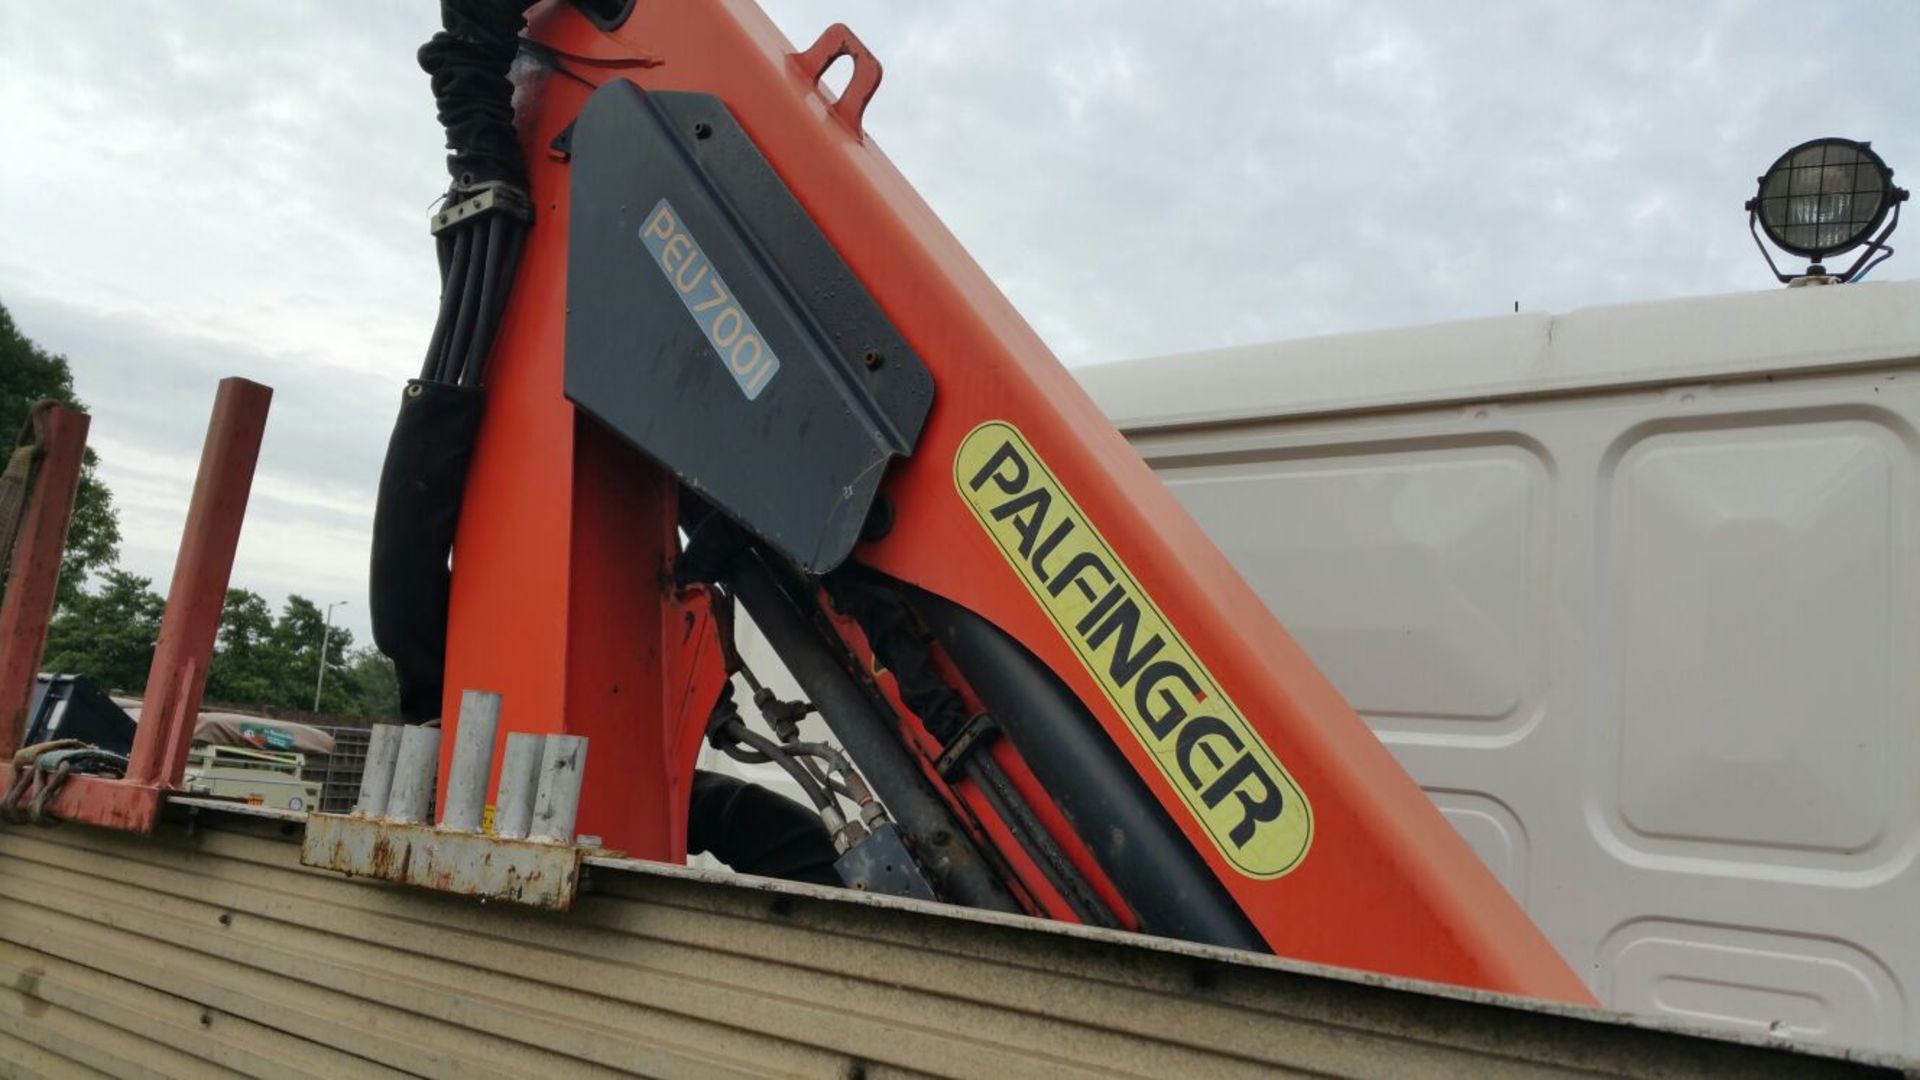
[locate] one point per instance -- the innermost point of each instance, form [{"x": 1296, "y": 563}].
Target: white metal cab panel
[{"x": 1632, "y": 593}]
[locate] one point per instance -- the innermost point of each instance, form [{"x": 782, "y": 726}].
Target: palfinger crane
[{"x": 701, "y": 350}]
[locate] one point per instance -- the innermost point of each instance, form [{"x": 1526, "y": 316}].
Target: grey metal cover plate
[{"x": 712, "y": 325}]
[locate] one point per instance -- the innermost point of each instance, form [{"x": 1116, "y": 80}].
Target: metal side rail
[{"x": 207, "y": 948}]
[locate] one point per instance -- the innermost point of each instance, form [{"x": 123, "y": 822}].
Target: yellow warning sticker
[{"x": 1237, "y": 790}]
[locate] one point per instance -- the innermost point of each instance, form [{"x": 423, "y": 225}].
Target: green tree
[
  {"x": 376, "y": 691},
  {"x": 29, "y": 373},
  {"x": 244, "y": 665},
  {"x": 263, "y": 662},
  {"x": 108, "y": 634},
  {"x": 259, "y": 661},
  {"x": 297, "y": 636}
]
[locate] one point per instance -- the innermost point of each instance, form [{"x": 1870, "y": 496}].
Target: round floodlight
[{"x": 1824, "y": 197}]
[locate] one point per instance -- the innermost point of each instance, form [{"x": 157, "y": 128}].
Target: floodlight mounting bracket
[{"x": 1875, "y": 251}]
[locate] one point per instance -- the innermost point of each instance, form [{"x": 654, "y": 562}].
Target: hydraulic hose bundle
[{"x": 478, "y": 234}]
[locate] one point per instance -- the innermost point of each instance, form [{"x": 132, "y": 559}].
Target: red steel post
[
  {"x": 194, "y": 600},
  {"x": 28, "y": 607}
]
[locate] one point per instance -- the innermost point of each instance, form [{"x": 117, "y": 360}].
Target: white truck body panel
[{"x": 1631, "y": 592}]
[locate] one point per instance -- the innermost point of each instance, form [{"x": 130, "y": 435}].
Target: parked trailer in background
[{"x": 1631, "y": 593}]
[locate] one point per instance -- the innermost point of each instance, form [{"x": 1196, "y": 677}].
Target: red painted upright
[
  {"x": 33, "y": 577},
  {"x": 194, "y": 601}
]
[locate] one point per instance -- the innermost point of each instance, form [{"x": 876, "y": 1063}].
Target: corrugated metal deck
[{"x": 214, "y": 953}]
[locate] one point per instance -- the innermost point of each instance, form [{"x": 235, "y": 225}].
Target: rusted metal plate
[
  {"x": 470, "y": 864},
  {"x": 100, "y": 801}
]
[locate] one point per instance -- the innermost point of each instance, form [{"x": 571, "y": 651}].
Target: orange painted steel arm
[{"x": 555, "y": 603}]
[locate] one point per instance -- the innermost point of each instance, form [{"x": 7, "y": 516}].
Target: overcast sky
[{"x": 190, "y": 190}]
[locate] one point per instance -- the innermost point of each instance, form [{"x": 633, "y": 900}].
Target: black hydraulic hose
[
  {"x": 1144, "y": 853},
  {"x": 869, "y": 735},
  {"x": 803, "y": 753},
  {"x": 1032, "y": 835},
  {"x": 463, "y": 322},
  {"x": 745, "y": 756},
  {"x": 812, "y": 755},
  {"x": 514, "y": 238},
  {"x": 451, "y": 294},
  {"x": 489, "y": 286},
  {"x": 516, "y": 245},
  {"x": 893, "y": 634},
  {"x": 423, "y": 481},
  {"x": 773, "y": 752},
  {"x": 452, "y": 277}
]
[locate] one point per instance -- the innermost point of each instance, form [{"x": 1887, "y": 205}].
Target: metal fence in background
[{"x": 339, "y": 772}]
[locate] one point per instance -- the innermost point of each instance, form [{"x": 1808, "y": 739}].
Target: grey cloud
[
  {"x": 150, "y": 392},
  {"x": 328, "y": 426},
  {"x": 1154, "y": 178}
]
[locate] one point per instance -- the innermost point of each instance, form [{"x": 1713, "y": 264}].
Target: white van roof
[{"x": 1664, "y": 341}]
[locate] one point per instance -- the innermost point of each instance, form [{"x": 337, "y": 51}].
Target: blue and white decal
[{"x": 697, "y": 282}]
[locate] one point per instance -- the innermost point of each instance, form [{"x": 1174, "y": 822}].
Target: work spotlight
[{"x": 1822, "y": 198}]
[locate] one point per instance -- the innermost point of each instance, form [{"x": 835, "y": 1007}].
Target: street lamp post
[{"x": 326, "y": 631}]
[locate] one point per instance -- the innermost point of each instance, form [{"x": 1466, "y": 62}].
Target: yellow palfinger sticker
[{"x": 1237, "y": 790}]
